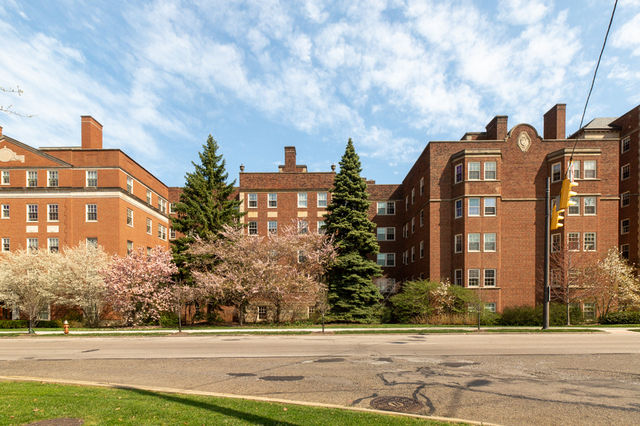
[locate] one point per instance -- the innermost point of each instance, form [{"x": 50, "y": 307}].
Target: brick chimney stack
[
  {"x": 497, "y": 128},
  {"x": 555, "y": 122},
  {"x": 91, "y": 133},
  {"x": 289, "y": 159},
  {"x": 0, "y": 130}
]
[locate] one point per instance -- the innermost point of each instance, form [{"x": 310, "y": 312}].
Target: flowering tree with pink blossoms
[{"x": 139, "y": 284}]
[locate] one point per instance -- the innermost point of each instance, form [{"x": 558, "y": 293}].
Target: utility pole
[{"x": 547, "y": 238}]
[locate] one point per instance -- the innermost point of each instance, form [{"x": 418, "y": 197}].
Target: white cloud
[
  {"x": 523, "y": 12},
  {"x": 628, "y": 36}
]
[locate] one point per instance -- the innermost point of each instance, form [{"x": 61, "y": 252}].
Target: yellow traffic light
[
  {"x": 556, "y": 218},
  {"x": 566, "y": 194}
]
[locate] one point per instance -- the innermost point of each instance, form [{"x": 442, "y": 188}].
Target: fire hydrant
[{"x": 66, "y": 326}]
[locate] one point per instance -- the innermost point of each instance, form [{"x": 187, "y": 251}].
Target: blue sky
[{"x": 260, "y": 75}]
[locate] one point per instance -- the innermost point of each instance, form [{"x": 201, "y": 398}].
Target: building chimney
[
  {"x": 91, "y": 133},
  {"x": 497, "y": 128},
  {"x": 0, "y": 130},
  {"x": 289, "y": 159},
  {"x": 555, "y": 122}
]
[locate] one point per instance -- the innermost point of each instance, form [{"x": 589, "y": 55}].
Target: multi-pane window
[
  {"x": 473, "y": 277},
  {"x": 490, "y": 307},
  {"x": 54, "y": 245},
  {"x": 172, "y": 208},
  {"x": 457, "y": 277},
  {"x": 322, "y": 199},
  {"x": 474, "y": 206},
  {"x": 172, "y": 233},
  {"x": 490, "y": 278},
  {"x": 52, "y": 178},
  {"x": 387, "y": 208},
  {"x": 589, "y": 311},
  {"x": 162, "y": 232},
  {"x": 555, "y": 243},
  {"x": 92, "y": 212},
  {"x": 386, "y": 259},
  {"x": 386, "y": 234},
  {"x": 556, "y": 172},
  {"x": 589, "y": 241},
  {"x": 162, "y": 205},
  {"x": 625, "y": 172},
  {"x": 5, "y": 177},
  {"x": 413, "y": 254},
  {"x": 624, "y": 251},
  {"x": 421, "y": 249},
  {"x": 490, "y": 242},
  {"x": 272, "y": 200},
  {"x": 574, "y": 210},
  {"x": 490, "y": 170},
  {"x": 474, "y": 242},
  {"x": 413, "y": 195},
  {"x": 6, "y": 246},
  {"x": 406, "y": 203},
  {"x": 490, "y": 206},
  {"x": 262, "y": 313},
  {"x": 458, "y": 211},
  {"x": 321, "y": 227},
  {"x": 253, "y": 228},
  {"x": 576, "y": 169},
  {"x": 149, "y": 199},
  {"x": 413, "y": 225},
  {"x": 624, "y": 199},
  {"x": 573, "y": 241},
  {"x": 32, "y": 178},
  {"x": 590, "y": 169},
  {"x": 92, "y": 242},
  {"x": 32, "y": 212},
  {"x": 458, "y": 173},
  {"x": 589, "y": 205},
  {"x": 421, "y": 186},
  {"x": 129, "y": 217},
  {"x": 474, "y": 171},
  {"x": 53, "y": 213},
  {"x": 625, "y": 224},
  {"x": 92, "y": 178},
  {"x": 302, "y": 199},
  {"x": 303, "y": 227},
  {"x": 32, "y": 244},
  {"x": 129, "y": 247},
  {"x": 253, "y": 201},
  {"x": 5, "y": 211},
  {"x": 272, "y": 226},
  {"x": 149, "y": 226},
  {"x": 130, "y": 184},
  {"x": 457, "y": 243},
  {"x": 421, "y": 218},
  {"x": 625, "y": 144}
]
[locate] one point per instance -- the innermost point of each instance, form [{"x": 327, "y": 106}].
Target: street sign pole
[{"x": 547, "y": 238}]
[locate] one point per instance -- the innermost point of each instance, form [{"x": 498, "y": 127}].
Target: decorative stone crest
[
  {"x": 7, "y": 155},
  {"x": 524, "y": 142}
]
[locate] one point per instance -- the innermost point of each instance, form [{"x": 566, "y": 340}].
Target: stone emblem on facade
[
  {"x": 7, "y": 155},
  {"x": 524, "y": 142}
]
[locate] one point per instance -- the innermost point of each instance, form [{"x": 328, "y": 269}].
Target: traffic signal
[
  {"x": 556, "y": 218},
  {"x": 566, "y": 194}
]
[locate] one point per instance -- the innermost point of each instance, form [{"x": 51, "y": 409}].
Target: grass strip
[{"x": 27, "y": 402}]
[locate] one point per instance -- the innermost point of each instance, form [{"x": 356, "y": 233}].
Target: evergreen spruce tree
[
  {"x": 204, "y": 206},
  {"x": 352, "y": 294}
]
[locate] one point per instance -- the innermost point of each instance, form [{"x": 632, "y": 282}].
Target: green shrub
[
  {"x": 520, "y": 316},
  {"x": 11, "y": 324},
  {"x": 623, "y": 317},
  {"x": 168, "y": 319}
]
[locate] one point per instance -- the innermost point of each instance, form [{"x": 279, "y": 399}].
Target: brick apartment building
[{"x": 56, "y": 197}]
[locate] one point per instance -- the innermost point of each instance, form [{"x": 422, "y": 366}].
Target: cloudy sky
[{"x": 260, "y": 75}]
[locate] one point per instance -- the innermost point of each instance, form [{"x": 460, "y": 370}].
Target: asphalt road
[{"x": 511, "y": 379}]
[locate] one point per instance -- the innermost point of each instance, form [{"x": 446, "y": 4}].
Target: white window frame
[
  {"x": 322, "y": 199},
  {"x": 625, "y": 144},
  {"x": 590, "y": 167},
  {"x": 172, "y": 208},
  {"x": 476, "y": 209},
  {"x": 421, "y": 249},
  {"x": 272, "y": 201},
  {"x": 303, "y": 227},
  {"x": 386, "y": 260},
  {"x": 625, "y": 172},
  {"x": 88, "y": 208},
  {"x": 625, "y": 199},
  {"x": 5, "y": 211},
  {"x": 162, "y": 204},
  {"x": 130, "y": 218},
  {"x": 149, "y": 226},
  {"x": 252, "y": 201},
  {"x": 556, "y": 243},
  {"x": 302, "y": 200},
  {"x": 129, "y": 246},
  {"x": 413, "y": 254},
  {"x": 470, "y": 236},
  {"x": 162, "y": 232},
  {"x": 90, "y": 179},
  {"x": 586, "y": 211},
  {"x": 473, "y": 170},
  {"x": 573, "y": 241},
  {"x": 584, "y": 236},
  {"x": 149, "y": 197},
  {"x": 172, "y": 234},
  {"x": 6, "y": 177},
  {"x": 458, "y": 171},
  {"x": 32, "y": 177},
  {"x": 574, "y": 210},
  {"x": 52, "y": 243},
  {"x": 383, "y": 234},
  {"x": 272, "y": 227},
  {"x": 489, "y": 169},
  {"x": 322, "y": 223},
  {"x": 556, "y": 172},
  {"x": 476, "y": 276},
  {"x": 421, "y": 218},
  {"x": 421, "y": 185},
  {"x": 624, "y": 251},
  {"x": 488, "y": 278},
  {"x": 32, "y": 213},
  {"x": 6, "y": 245},
  {"x": 129, "y": 184},
  {"x": 458, "y": 208},
  {"x": 458, "y": 278},
  {"x": 32, "y": 243},
  {"x": 487, "y": 209},
  {"x": 625, "y": 226},
  {"x": 406, "y": 203},
  {"x": 51, "y": 179},
  {"x": 413, "y": 196},
  {"x": 491, "y": 307},
  {"x": 458, "y": 243},
  {"x": 253, "y": 227},
  {"x": 487, "y": 242},
  {"x": 413, "y": 225},
  {"x": 576, "y": 169},
  {"x": 51, "y": 211}
]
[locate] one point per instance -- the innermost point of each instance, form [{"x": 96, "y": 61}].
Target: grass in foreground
[{"x": 26, "y": 402}]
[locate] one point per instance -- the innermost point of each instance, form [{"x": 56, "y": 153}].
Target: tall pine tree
[
  {"x": 204, "y": 207},
  {"x": 352, "y": 294}
]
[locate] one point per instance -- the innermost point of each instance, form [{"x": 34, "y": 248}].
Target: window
[
  {"x": 149, "y": 197},
  {"x": 490, "y": 170},
  {"x": 253, "y": 228},
  {"x": 625, "y": 144},
  {"x": 92, "y": 242},
  {"x": 32, "y": 178},
  {"x": 589, "y": 311},
  {"x": 457, "y": 243},
  {"x": 5, "y": 177},
  {"x": 490, "y": 278},
  {"x": 52, "y": 178},
  {"x": 162, "y": 205},
  {"x": 556, "y": 243},
  {"x": 148, "y": 251},
  {"x": 322, "y": 230},
  {"x": 386, "y": 234},
  {"x": 5, "y": 211},
  {"x": 32, "y": 244},
  {"x": 405, "y": 256},
  {"x": 273, "y": 201},
  {"x": 162, "y": 232},
  {"x": 590, "y": 169},
  {"x": 272, "y": 227},
  {"x": 474, "y": 242},
  {"x": 458, "y": 211},
  {"x": 413, "y": 225},
  {"x": 576, "y": 169},
  {"x": 302, "y": 199},
  {"x": 6, "y": 245},
  {"x": 322, "y": 199},
  {"x": 253, "y": 201},
  {"x": 421, "y": 218},
  {"x": 172, "y": 233},
  {"x": 624, "y": 199},
  {"x": 573, "y": 241},
  {"x": 413, "y": 254},
  {"x": 130, "y": 184},
  {"x": 473, "y": 278},
  {"x": 589, "y": 241},
  {"x": 490, "y": 242},
  {"x": 172, "y": 208},
  {"x": 387, "y": 259},
  {"x": 490, "y": 206},
  {"x": 624, "y": 226},
  {"x": 491, "y": 307},
  {"x": 474, "y": 206},
  {"x": 458, "y": 173},
  {"x": 92, "y": 212},
  {"x": 149, "y": 226},
  {"x": 32, "y": 212},
  {"x": 457, "y": 277},
  {"x": 129, "y": 217},
  {"x": 474, "y": 171},
  {"x": 406, "y": 203},
  {"x": 386, "y": 285},
  {"x": 421, "y": 186},
  {"x": 129, "y": 247},
  {"x": 387, "y": 208},
  {"x": 624, "y": 251},
  {"x": 413, "y": 195},
  {"x": 625, "y": 172},
  {"x": 262, "y": 313},
  {"x": 556, "y": 172},
  {"x": 52, "y": 210},
  {"x": 574, "y": 210},
  {"x": 54, "y": 245},
  {"x": 589, "y": 205},
  {"x": 92, "y": 178},
  {"x": 421, "y": 249},
  {"x": 303, "y": 227}
]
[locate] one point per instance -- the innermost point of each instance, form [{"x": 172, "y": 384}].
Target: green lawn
[{"x": 26, "y": 402}]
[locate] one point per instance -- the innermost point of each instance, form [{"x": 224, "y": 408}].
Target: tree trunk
[{"x": 568, "y": 313}]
